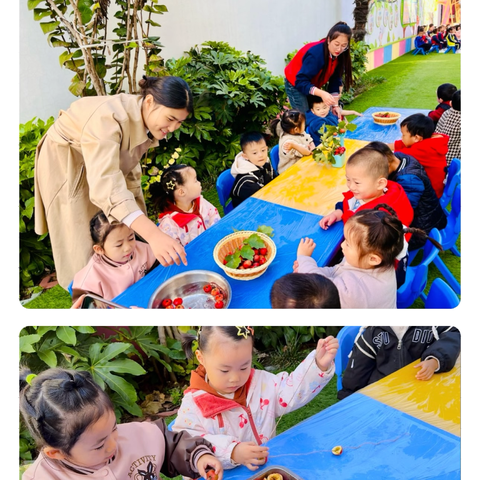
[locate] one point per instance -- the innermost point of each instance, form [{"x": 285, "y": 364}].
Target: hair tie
[
  {"x": 30, "y": 377},
  {"x": 245, "y": 332}
]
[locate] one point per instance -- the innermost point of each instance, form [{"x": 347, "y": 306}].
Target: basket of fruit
[
  {"x": 245, "y": 255},
  {"x": 385, "y": 118},
  {"x": 193, "y": 289}
]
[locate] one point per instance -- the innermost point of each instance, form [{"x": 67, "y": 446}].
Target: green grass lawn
[{"x": 411, "y": 82}]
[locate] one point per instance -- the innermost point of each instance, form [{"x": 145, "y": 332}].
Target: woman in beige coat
[{"x": 89, "y": 160}]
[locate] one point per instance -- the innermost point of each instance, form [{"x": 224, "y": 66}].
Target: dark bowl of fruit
[
  {"x": 245, "y": 255},
  {"x": 275, "y": 472},
  {"x": 385, "y": 118},
  {"x": 194, "y": 289}
]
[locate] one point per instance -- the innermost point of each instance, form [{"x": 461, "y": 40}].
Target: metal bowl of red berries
[
  {"x": 192, "y": 290},
  {"x": 245, "y": 255}
]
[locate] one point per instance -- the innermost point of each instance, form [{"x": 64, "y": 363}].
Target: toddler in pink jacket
[
  {"x": 234, "y": 406},
  {"x": 73, "y": 421},
  {"x": 118, "y": 260}
]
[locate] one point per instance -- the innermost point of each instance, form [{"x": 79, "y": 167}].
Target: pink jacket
[
  {"x": 141, "y": 448},
  {"x": 224, "y": 422},
  {"x": 108, "y": 279}
]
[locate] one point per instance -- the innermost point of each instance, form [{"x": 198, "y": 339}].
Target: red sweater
[
  {"x": 431, "y": 154},
  {"x": 394, "y": 197}
]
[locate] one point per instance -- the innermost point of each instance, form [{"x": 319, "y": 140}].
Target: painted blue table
[
  {"x": 289, "y": 226},
  {"x": 368, "y": 130},
  {"x": 379, "y": 442}
]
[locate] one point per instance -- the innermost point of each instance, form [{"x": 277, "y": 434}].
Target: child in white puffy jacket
[{"x": 234, "y": 406}]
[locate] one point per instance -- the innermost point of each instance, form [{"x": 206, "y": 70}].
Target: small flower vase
[
  {"x": 342, "y": 139},
  {"x": 339, "y": 160}
]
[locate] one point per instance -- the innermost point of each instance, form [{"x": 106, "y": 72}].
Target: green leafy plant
[
  {"x": 101, "y": 64},
  {"x": 233, "y": 93},
  {"x": 249, "y": 249},
  {"x": 35, "y": 251},
  {"x": 331, "y": 141}
]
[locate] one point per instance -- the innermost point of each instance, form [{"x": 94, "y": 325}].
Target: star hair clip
[
  {"x": 245, "y": 332},
  {"x": 170, "y": 185}
]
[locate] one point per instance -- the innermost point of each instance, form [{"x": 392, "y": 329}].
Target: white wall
[{"x": 268, "y": 28}]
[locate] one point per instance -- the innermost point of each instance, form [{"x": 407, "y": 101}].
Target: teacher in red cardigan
[{"x": 326, "y": 62}]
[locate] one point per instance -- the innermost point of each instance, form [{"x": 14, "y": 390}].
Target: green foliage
[
  {"x": 233, "y": 93},
  {"x": 35, "y": 251},
  {"x": 103, "y": 68},
  {"x": 358, "y": 54},
  {"x": 331, "y": 141}
]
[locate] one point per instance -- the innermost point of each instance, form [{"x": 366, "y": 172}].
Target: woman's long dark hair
[{"x": 344, "y": 66}]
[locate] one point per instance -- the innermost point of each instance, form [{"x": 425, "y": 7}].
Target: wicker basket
[
  {"x": 235, "y": 240},
  {"x": 386, "y": 120}
]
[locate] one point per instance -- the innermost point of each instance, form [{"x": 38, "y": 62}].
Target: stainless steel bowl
[
  {"x": 189, "y": 287},
  {"x": 285, "y": 472}
]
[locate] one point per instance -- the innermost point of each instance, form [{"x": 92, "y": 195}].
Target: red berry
[
  {"x": 256, "y": 258},
  {"x": 219, "y": 297},
  {"x": 170, "y": 306},
  {"x": 225, "y": 262},
  {"x": 207, "y": 288},
  {"x": 342, "y": 130},
  {"x": 262, "y": 251},
  {"x": 215, "y": 291},
  {"x": 177, "y": 301},
  {"x": 262, "y": 260},
  {"x": 180, "y": 306},
  {"x": 219, "y": 304},
  {"x": 247, "y": 263},
  {"x": 166, "y": 302},
  {"x": 255, "y": 264},
  {"x": 211, "y": 475}
]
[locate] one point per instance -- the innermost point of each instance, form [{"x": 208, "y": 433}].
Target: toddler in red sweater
[{"x": 429, "y": 148}]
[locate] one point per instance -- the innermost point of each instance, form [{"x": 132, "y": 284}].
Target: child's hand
[
  {"x": 328, "y": 220},
  {"x": 250, "y": 454},
  {"x": 427, "y": 369},
  {"x": 326, "y": 351},
  {"x": 209, "y": 460},
  {"x": 306, "y": 247},
  {"x": 288, "y": 145},
  {"x": 295, "y": 266}
]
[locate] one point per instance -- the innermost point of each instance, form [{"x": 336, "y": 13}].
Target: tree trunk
[
  {"x": 162, "y": 335},
  {"x": 360, "y": 14}
]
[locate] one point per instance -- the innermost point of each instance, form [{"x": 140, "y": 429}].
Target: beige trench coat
[{"x": 88, "y": 161}]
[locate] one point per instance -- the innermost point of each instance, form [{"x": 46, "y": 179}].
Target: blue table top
[
  {"x": 289, "y": 226},
  {"x": 379, "y": 442},
  {"x": 370, "y": 131}
]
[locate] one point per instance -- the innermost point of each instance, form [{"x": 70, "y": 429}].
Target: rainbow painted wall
[{"x": 376, "y": 58}]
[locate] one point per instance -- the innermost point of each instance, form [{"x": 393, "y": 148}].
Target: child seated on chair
[
  {"x": 251, "y": 168},
  {"x": 380, "y": 351},
  {"x": 422, "y": 40},
  {"x": 451, "y": 38},
  {"x": 293, "y": 142},
  {"x": 368, "y": 184},
  {"x": 407, "y": 172},
  {"x": 444, "y": 97},
  {"x": 429, "y": 148},
  {"x": 442, "y": 32},
  {"x": 450, "y": 124},
  {"x": 304, "y": 290},
  {"x": 320, "y": 114},
  {"x": 183, "y": 213}
]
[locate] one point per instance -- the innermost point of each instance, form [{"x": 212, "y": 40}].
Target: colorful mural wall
[{"x": 392, "y": 25}]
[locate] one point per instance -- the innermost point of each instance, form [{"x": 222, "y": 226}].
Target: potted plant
[{"x": 331, "y": 148}]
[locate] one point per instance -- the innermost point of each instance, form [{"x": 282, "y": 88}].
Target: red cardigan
[
  {"x": 431, "y": 154},
  {"x": 394, "y": 197}
]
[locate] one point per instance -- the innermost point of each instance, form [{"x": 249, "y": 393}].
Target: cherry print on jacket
[{"x": 243, "y": 421}]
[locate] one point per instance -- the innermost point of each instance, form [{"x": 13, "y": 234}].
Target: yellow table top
[
  {"x": 309, "y": 186},
  {"x": 436, "y": 401}
]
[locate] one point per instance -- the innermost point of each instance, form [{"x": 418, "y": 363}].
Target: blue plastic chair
[
  {"x": 441, "y": 296},
  {"x": 70, "y": 288},
  {"x": 434, "y": 48},
  {"x": 346, "y": 338},
  {"x": 453, "y": 48},
  {"x": 224, "y": 186},
  {"x": 453, "y": 180},
  {"x": 416, "y": 276},
  {"x": 274, "y": 158},
  {"x": 170, "y": 426},
  {"x": 419, "y": 50},
  {"x": 449, "y": 236}
]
